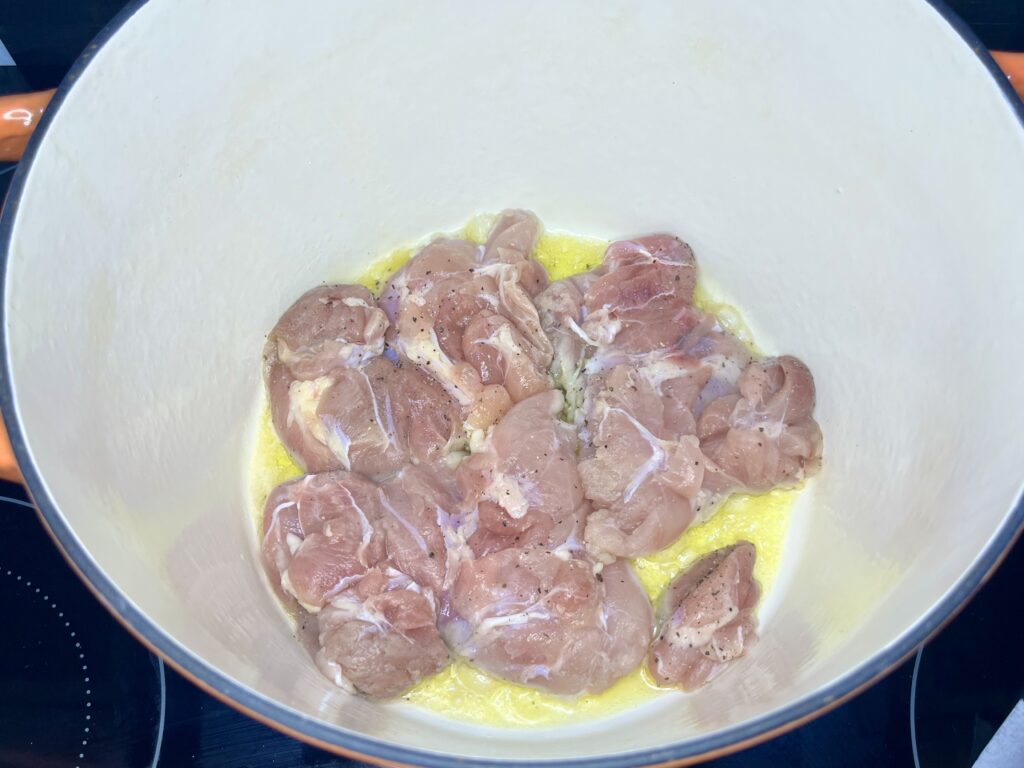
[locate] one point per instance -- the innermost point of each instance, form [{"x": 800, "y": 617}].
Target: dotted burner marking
[{"x": 27, "y": 584}]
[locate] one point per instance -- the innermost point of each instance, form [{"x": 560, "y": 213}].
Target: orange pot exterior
[
  {"x": 1013, "y": 65},
  {"x": 19, "y": 115}
]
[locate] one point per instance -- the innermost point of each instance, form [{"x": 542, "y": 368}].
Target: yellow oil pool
[{"x": 464, "y": 692}]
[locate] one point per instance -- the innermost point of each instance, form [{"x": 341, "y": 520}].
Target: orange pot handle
[{"x": 19, "y": 115}]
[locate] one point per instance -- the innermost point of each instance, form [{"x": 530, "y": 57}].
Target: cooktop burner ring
[{"x": 75, "y": 690}]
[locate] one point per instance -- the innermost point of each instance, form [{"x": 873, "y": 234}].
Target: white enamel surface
[{"x": 848, "y": 172}]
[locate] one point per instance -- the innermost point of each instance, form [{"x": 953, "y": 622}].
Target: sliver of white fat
[
  {"x": 424, "y": 349},
  {"x": 507, "y": 492},
  {"x": 654, "y": 462},
  {"x": 303, "y": 400},
  {"x": 335, "y": 675}
]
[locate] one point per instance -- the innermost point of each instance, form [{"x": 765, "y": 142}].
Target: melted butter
[
  {"x": 728, "y": 316},
  {"x": 760, "y": 519},
  {"x": 563, "y": 255},
  {"x": 464, "y": 692},
  {"x": 271, "y": 464},
  {"x": 378, "y": 273}
]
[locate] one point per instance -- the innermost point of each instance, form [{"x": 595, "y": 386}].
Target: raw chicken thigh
[
  {"x": 643, "y": 289},
  {"x": 522, "y": 485},
  {"x": 329, "y": 545},
  {"x": 371, "y": 419},
  {"x": 501, "y": 355},
  {"x": 329, "y": 330},
  {"x": 380, "y": 636},
  {"x": 464, "y": 314},
  {"x": 321, "y": 533},
  {"x": 381, "y": 416},
  {"x": 336, "y": 403},
  {"x": 560, "y": 308},
  {"x": 328, "y": 327},
  {"x": 511, "y": 241},
  {"x": 644, "y": 465},
  {"x": 644, "y": 468},
  {"x": 415, "y": 503},
  {"x": 485, "y": 448},
  {"x": 641, "y": 365},
  {"x": 706, "y": 618},
  {"x": 537, "y": 619},
  {"x": 764, "y": 435}
]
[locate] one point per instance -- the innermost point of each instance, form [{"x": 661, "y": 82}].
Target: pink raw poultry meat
[
  {"x": 329, "y": 546},
  {"x": 454, "y": 299},
  {"x": 515, "y": 553},
  {"x": 635, "y": 303},
  {"x": 644, "y": 288},
  {"x": 501, "y": 355},
  {"x": 706, "y": 618},
  {"x": 380, "y": 636},
  {"x": 652, "y": 362},
  {"x": 511, "y": 241},
  {"x": 537, "y": 619},
  {"x": 523, "y": 484},
  {"x": 560, "y": 308},
  {"x": 765, "y": 434},
  {"x": 329, "y": 326},
  {"x": 293, "y": 405},
  {"x": 436, "y": 262},
  {"x": 424, "y": 419},
  {"x": 372, "y": 419},
  {"x": 415, "y": 502},
  {"x": 386, "y": 415},
  {"x": 321, "y": 533},
  {"x": 329, "y": 333},
  {"x": 643, "y": 465}
]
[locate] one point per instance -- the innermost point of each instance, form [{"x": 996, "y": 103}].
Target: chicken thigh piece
[
  {"x": 321, "y": 533},
  {"x": 522, "y": 485},
  {"x": 373, "y": 419},
  {"x": 329, "y": 546},
  {"x": 764, "y": 435},
  {"x": 324, "y": 338},
  {"x": 642, "y": 466},
  {"x": 328, "y": 327},
  {"x": 464, "y": 314},
  {"x": 641, "y": 294},
  {"x": 706, "y": 618},
  {"x": 416, "y": 502},
  {"x": 534, "y": 618},
  {"x": 380, "y": 636}
]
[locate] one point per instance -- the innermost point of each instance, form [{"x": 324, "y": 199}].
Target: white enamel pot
[{"x": 850, "y": 174}]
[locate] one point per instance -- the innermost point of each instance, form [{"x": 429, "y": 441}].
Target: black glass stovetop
[{"x": 76, "y": 690}]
